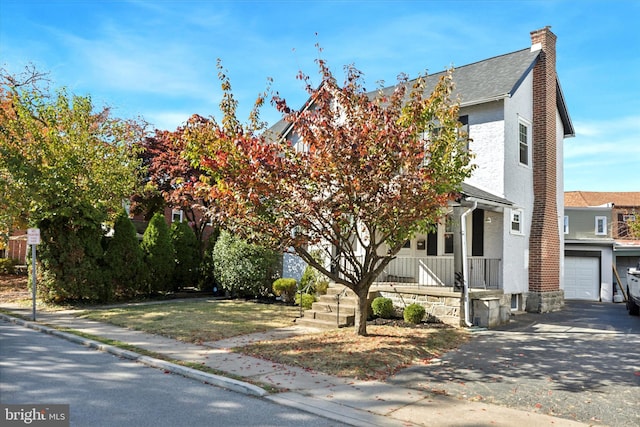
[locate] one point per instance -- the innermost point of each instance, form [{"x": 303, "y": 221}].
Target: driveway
[{"x": 582, "y": 363}]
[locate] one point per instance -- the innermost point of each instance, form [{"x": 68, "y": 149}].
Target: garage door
[{"x": 581, "y": 278}]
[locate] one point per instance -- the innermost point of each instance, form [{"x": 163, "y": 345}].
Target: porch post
[{"x": 458, "y": 262}]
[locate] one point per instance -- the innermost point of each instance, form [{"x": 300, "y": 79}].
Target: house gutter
[{"x": 465, "y": 268}]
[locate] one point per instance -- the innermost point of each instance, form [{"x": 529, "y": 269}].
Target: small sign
[{"x": 33, "y": 236}]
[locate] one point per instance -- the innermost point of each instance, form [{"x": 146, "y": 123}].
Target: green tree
[
  {"x": 159, "y": 255},
  {"x": 65, "y": 168},
  {"x": 123, "y": 258},
  {"x": 187, "y": 250}
]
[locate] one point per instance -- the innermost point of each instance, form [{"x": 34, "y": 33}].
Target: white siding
[
  {"x": 486, "y": 129},
  {"x": 560, "y": 193},
  {"x": 518, "y": 188}
]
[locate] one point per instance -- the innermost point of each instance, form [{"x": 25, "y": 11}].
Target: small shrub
[
  {"x": 321, "y": 286},
  {"x": 7, "y": 266},
  {"x": 383, "y": 307},
  {"x": 285, "y": 288},
  {"x": 414, "y": 313},
  {"x": 307, "y": 300}
]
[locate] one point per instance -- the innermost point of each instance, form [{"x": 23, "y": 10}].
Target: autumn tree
[
  {"x": 66, "y": 167},
  {"x": 170, "y": 180},
  {"x": 359, "y": 174}
]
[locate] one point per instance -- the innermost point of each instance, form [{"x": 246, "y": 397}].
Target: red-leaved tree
[
  {"x": 356, "y": 174},
  {"x": 171, "y": 180}
]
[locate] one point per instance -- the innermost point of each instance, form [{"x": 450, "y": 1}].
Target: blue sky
[{"x": 156, "y": 59}]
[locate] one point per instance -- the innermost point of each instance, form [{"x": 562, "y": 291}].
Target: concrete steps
[{"x": 326, "y": 314}]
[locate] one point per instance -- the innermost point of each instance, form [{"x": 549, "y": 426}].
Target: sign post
[{"x": 33, "y": 239}]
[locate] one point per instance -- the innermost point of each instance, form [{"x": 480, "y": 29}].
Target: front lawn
[
  {"x": 340, "y": 352},
  {"x": 199, "y": 321}
]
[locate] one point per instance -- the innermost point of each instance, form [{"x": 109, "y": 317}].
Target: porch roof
[{"x": 469, "y": 192}]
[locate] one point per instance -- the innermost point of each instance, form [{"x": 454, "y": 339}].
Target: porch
[{"x": 438, "y": 271}]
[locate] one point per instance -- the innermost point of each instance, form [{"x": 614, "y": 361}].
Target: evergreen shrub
[
  {"x": 414, "y": 313},
  {"x": 383, "y": 307},
  {"x": 285, "y": 288}
]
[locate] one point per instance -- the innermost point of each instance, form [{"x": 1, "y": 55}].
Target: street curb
[{"x": 216, "y": 380}]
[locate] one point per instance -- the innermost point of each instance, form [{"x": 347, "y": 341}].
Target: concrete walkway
[{"x": 343, "y": 400}]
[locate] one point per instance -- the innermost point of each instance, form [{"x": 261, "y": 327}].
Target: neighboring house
[
  {"x": 514, "y": 111},
  {"x": 597, "y": 237}
]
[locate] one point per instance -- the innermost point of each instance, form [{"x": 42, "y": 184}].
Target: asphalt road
[
  {"x": 103, "y": 390},
  {"x": 582, "y": 363}
]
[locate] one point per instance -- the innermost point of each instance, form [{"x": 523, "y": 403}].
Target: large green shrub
[
  {"x": 243, "y": 269},
  {"x": 285, "y": 288},
  {"x": 382, "y": 307},
  {"x": 159, "y": 255},
  {"x": 70, "y": 257},
  {"x": 187, "y": 252},
  {"x": 124, "y": 267},
  {"x": 414, "y": 313}
]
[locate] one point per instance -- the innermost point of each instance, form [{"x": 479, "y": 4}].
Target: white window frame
[
  {"x": 527, "y": 125},
  {"x": 601, "y": 230},
  {"x": 174, "y": 213},
  {"x": 566, "y": 224},
  {"x": 447, "y": 233},
  {"x": 516, "y": 217}
]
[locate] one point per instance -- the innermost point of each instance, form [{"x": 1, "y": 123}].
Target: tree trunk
[{"x": 362, "y": 312}]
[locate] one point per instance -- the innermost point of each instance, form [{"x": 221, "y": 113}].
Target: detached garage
[
  {"x": 582, "y": 278},
  {"x": 588, "y": 273}
]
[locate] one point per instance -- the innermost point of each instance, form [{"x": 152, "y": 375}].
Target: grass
[
  {"x": 385, "y": 350},
  {"x": 340, "y": 352},
  {"x": 199, "y": 321}
]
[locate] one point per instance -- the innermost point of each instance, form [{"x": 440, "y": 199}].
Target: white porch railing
[{"x": 439, "y": 271}]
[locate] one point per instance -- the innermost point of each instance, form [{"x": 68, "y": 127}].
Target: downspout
[{"x": 465, "y": 268}]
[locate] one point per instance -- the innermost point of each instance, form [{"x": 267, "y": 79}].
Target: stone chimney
[{"x": 544, "y": 242}]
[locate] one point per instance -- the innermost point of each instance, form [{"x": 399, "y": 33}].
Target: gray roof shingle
[{"x": 487, "y": 80}]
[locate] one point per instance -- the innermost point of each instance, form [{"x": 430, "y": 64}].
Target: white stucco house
[{"x": 511, "y": 208}]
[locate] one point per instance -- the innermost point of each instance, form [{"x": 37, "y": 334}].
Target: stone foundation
[
  {"x": 489, "y": 308},
  {"x": 544, "y": 302}
]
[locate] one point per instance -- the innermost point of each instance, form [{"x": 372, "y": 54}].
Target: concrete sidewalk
[{"x": 347, "y": 401}]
